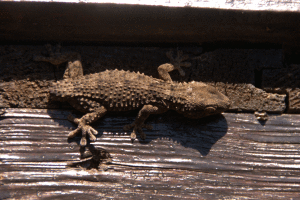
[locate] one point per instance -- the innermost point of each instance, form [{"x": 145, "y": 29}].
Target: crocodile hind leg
[
  {"x": 176, "y": 63},
  {"x": 138, "y": 124}
]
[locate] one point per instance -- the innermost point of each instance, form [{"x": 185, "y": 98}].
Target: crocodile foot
[
  {"x": 137, "y": 128},
  {"x": 82, "y": 128}
]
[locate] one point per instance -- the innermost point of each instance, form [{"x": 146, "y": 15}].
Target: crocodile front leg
[
  {"x": 94, "y": 112},
  {"x": 84, "y": 127},
  {"x": 176, "y": 64},
  {"x": 138, "y": 124}
]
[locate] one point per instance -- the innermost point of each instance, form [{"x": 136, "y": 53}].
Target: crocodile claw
[
  {"x": 137, "y": 128},
  {"x": 177, "y": 62}
]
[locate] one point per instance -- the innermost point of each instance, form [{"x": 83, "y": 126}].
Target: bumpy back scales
[
  {"x": 124, "y": 90},
  {"x": 114, "y": 89}
]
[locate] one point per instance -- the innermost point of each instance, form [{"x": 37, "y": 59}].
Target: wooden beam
[{"x": 102, "y": 23}]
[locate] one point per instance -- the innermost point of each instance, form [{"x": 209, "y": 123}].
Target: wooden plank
[
  {"x": 104, "y": 23},
  {"x": 228, "y": 156}
]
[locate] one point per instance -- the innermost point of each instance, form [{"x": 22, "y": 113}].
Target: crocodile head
[{"x": 203, "y": 100}]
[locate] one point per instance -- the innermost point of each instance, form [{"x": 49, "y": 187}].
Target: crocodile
[{"x": 119, "y": 90}]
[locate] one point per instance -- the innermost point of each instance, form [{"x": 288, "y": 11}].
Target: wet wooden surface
[{"x": 228, "y": 156}]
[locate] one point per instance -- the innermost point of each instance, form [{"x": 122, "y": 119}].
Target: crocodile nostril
[{"x": 210, "y": 109}]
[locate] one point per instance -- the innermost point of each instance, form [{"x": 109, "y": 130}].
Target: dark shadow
[
  {"x": 262, "y": 122},
  {"x": 92, "y": 158},
  {"x": 200, "y": 134},
  {"x": 211, "y": 62}
]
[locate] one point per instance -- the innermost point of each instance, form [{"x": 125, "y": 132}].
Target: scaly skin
[{"x": 115, "y": 90}]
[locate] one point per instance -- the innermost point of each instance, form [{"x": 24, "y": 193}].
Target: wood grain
[
  {"x": 226, "y": 156},
  {"x": 117, "y": 23}
]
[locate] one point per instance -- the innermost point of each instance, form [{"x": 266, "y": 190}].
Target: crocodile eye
[{"x": 210, "y": 109}]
